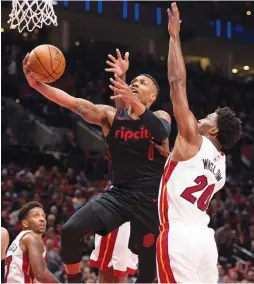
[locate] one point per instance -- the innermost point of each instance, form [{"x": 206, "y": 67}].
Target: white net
[{"x": 32, "y": 14}]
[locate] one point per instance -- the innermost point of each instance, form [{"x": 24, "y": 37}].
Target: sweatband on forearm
[{"x": 159, "y": 128}]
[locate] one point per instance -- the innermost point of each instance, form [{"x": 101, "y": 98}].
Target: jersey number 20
[{"x": 204, "y": 199}]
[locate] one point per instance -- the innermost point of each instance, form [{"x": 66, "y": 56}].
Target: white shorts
[
  {"x": 112, "y": 251},
  {"x": 187, "y": 253}
]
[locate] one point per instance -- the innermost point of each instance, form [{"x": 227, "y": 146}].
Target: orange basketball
[{"x": 47, "y": 63}]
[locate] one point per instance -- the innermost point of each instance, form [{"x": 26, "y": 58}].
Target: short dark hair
[
  {"x": 230, "y": 127},
  {"x": 154, "y": 81},
  {"x": 26, "y": 208}
]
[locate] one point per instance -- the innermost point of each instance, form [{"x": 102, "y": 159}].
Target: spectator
[
  {"x": 78, "y": 201},
  {"x": 53, "y": 258},
  {"x": 9, "y": 138}
]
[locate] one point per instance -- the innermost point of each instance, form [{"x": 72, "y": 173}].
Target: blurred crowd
[
  {"x": 61, "y": 193},
  {"x": 64, "y": 188}
]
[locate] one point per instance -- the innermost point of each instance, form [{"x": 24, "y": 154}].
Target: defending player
[
  {"x": 25, "y": 257},
  {"x": 136, "y": 171},
  {"x": 186, "y": 248}
]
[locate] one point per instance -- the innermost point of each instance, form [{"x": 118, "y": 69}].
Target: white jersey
[
  {"x": 17, "y": 265},
  {"x": 188, "y": 186}
]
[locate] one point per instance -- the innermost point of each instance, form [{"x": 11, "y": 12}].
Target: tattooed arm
[
  {"x": 33, "y": 244},
  {"x": 95, "y": 114}
]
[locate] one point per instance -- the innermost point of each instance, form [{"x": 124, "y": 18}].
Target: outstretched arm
[
  {"x": 96, "y": 114},
  {"x": 186, "y": 122},
  {"x": 34, "y": 245}
]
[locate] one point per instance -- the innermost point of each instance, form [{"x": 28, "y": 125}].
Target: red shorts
[{"x": 112, "y": 251}]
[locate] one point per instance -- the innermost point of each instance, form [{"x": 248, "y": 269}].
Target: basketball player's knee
[{"x": 70, "y": 233}]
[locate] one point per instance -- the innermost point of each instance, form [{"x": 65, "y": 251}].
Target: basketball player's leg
[
  {"x": 93, "y": 217},
  {"x": 143, "y": 244},
  {"x": 144, "y": 232},
  {"x": 208, "y": 271},
  {"x": 147, "y": 265},
  {"x": 172, "y": 265},
  {"x": 109, "y": 277},
  {"x": 179, "y": 252}
]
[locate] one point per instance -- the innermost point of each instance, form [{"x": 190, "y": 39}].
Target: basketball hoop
[{"x": 32, "y": 14}]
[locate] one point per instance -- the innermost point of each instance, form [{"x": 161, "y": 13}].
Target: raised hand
[
  {"x": 28, "y": 73},
  {"x": 118, "y": 65},
  {"x": 122, "y": 90},
  {"x": 173, "y": 20}
]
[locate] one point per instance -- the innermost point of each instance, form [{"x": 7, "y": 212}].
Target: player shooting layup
[{"x": 136, "y": 181}]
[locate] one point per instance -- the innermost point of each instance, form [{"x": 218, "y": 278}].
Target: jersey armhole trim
[{"x": 28, "y": 232}]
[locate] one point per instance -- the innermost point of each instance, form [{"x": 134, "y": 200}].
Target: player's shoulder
[
  {"x": 30, "y": 236},
  {"x": 5, "y": 238},
  {"x": 162, "y": 114},
  {"x": 4, "y": 233},
  {"x": 30, "y": 240}
]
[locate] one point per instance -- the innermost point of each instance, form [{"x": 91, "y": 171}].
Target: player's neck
[
  {"x": 132, "y": 113},
  {"x": 215, "y": 142}
]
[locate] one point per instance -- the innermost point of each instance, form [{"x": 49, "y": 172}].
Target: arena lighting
[
  {"x": 77, "y": 43},
  {"x": 99, "y": 7},
  {"x": 246, "y": 67},
  {"x": 234, "y": 71},
  {"x": 87, "y": 5},
  {"x": 158, "y": 12},
  {"x": 248, "y": 13},
  {"x": 136, "y": 11},
  {"x": 125, "y": 9}
]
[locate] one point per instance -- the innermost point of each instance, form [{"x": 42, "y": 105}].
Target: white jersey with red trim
[
  {"x": 188, "y": 186},
  {"x": 17, "y": 264}
]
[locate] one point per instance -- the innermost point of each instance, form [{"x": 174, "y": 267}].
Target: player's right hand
[
  {"x": 119, "y": 66},
  {"x": 28, "y": 73}
]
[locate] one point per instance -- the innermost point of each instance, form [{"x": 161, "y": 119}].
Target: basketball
[{"x": 47, "y": 63}]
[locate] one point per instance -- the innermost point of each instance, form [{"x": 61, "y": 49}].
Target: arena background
[{"x": 50, "y": 155}]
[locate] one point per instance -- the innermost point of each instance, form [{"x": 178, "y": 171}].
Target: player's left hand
[
  {"x": 119, "y": 66},
  {"x": 123, "y": 91},
  {"x": 163, "y": 149},
  {"x": 174, "y": 21}
]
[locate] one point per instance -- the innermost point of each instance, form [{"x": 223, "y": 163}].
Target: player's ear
[
  {"x": 153, "y": 97},
  {"x": 214, "y": 131},
  {"x": 24, "y": 224}
]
